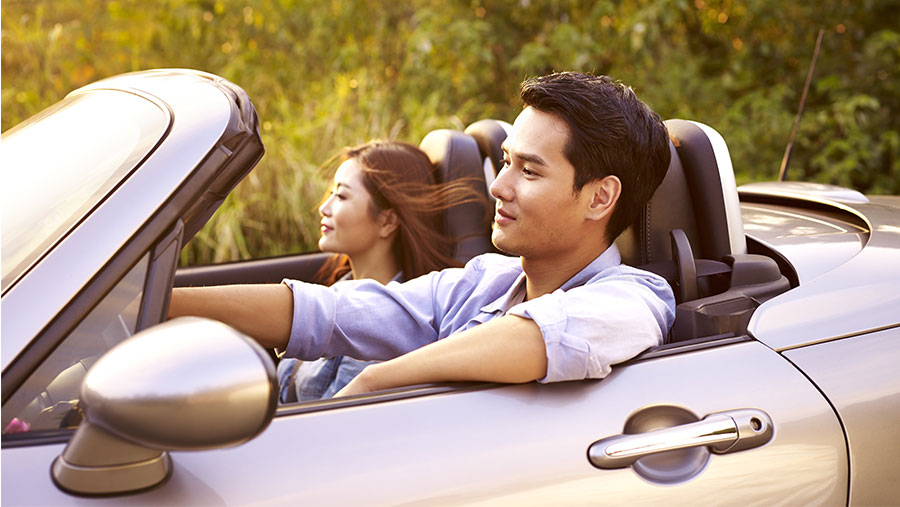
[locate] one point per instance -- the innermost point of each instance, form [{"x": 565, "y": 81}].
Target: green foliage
[{"x": 326, "y": 74}]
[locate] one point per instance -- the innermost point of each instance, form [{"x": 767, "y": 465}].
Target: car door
[{"x": 523, "y": 444}]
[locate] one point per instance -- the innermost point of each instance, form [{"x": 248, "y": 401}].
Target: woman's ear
[
  {"x": 387, "y": 223},
  {"x": 604, "y": 194}
]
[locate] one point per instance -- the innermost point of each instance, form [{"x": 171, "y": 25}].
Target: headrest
[
  {"x": 490, "y": 134},
  {"x": 671, "y": 207},
  {"x": 698, "y": 195},
  {"x": 455, "y": 155},
  {"x": 710, "y": 177}
]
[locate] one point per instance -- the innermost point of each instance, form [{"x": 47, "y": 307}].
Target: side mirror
[{"x": 187, "y": 384}]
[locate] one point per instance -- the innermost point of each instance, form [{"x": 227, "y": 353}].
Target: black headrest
[
  {"x": 455, "y": 155},
  {"x": 490, "y": 134},
  {"x": 647, "y": 240},
  {"x": 710, "y": 177},
  {"x": 698, "y": 195}
]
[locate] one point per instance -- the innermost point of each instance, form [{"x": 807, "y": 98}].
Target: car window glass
[
  {"x": 63, "y": 162},
  {"x": 48, "y": 398}
]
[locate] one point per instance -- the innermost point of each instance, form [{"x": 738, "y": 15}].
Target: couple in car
[{"x": 584, "y": 156}]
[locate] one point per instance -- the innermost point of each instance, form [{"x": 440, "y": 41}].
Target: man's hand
[
  {"x": 359, "y": 385},
  {"x": 507, "y": 349}
]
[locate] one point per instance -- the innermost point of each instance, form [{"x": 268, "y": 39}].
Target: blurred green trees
[{"x": 325, "y": 74}]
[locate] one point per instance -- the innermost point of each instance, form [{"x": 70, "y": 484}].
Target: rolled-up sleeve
[
  {"x": 366, "y": 320},
  {"x": 588, "y": 329},
  {"x": 362, "y": 319}
]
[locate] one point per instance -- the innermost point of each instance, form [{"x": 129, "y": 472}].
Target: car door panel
[
  {"x": 859, "y": 376},
  {"x": 521, "y": 444}
]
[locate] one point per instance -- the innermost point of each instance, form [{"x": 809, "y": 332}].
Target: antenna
[{"x": 787, "y": 151}]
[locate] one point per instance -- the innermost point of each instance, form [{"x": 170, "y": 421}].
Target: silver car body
[{"x": 816, "y": 370}]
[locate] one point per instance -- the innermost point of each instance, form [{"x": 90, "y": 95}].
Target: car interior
[{"x": 690, "y": 232}]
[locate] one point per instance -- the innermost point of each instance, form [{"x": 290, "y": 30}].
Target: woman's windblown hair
[{"x": 400, "y": 177}]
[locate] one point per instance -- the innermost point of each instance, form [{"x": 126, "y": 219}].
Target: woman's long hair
[{"x": 400, "y": 177}]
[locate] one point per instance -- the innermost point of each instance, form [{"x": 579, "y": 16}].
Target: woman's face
[{"x": 347, "y": 227}]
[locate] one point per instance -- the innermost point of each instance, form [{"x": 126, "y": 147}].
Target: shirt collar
[
  {"x": 499, "y": 304},
  {"x": 609, "y": 258}
]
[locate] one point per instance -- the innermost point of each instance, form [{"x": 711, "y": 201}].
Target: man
[{"x": 584, "y": 156}]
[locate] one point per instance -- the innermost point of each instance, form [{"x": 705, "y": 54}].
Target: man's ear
[
  {"x": 604, "y": 194},
  {"x": 387, "y": 223}
]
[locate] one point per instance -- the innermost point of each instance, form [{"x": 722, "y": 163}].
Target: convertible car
[{"x": 778, "y": 383}]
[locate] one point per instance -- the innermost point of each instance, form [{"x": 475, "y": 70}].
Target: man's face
[{"x": 537, "y": 213}]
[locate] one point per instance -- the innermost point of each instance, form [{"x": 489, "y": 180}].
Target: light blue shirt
[{"x": 605, "y": 314}]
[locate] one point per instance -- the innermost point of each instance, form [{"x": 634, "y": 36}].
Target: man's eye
[
  {"x": 528, "y": 172},
  {"x": 505, "y": 163}
]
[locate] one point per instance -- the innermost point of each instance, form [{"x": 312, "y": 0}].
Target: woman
[{"x": 383, "y": 220}]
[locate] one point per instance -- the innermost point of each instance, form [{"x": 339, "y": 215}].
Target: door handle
[{"x": 722, "y": 432}]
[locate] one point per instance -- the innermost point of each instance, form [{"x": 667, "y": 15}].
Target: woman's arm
[
  {"x": 507, "y": 349},
  {"x": 263, "y": 312}
]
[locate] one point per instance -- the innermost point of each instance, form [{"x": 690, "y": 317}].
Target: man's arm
[
  {"x": 508, "y": 349},
  {"x": 263, "y": 312}
]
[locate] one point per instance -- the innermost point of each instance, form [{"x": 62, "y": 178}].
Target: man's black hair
[{"x": 611, "y": 132}]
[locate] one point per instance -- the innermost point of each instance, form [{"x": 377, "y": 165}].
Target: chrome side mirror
[{"x": 187, "y": 384}]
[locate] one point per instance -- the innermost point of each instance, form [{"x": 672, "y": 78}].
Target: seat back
[
  {"x": 710, "y": 177},
  {"x": 698, "y": 195},
  {"x": 455, "y": 156},
  {"x": 671, "y": 207},
  {"x": 691, "y": 232},
  {"x": 692, "y": 221}
]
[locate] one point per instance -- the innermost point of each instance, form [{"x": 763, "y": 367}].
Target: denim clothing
[
  {"x": 316, "y": 380},
  {"x": 605, "y": 314}
]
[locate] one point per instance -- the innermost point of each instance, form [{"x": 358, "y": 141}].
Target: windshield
[{"x": 59, "y": 164}]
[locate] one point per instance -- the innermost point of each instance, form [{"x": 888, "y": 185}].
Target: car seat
[
  {"x": 691, "y": 232},
  {"x": 489, "y": 134},
  {"x": 697, "y": 195},
  {"x": 455, "y": 156}
]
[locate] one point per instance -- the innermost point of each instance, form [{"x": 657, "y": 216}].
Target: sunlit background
[{"x": 324, "y": 75}]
